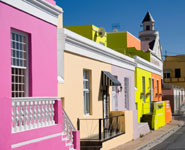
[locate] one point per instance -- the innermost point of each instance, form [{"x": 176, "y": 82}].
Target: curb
[{"x": 161, "y": 138}]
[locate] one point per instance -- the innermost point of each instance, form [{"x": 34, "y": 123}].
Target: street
[{"x": 176, "y": 141}]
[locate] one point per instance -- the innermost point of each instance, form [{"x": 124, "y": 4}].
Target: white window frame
[
  {"x": 114, "y": 98},
  {"x": 26, "y": 78},
  {"x": 86, "y": 91}
]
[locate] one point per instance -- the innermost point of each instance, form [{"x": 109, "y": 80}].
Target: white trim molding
[
  {"x": 35, "y": 140},
  {"x": 80, "y": 45},
  {"x": 38, "y": 8},
  {"x": 148, "y": 66}
]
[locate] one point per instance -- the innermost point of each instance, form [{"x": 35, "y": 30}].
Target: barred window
[{"x": 19, "y": 63}]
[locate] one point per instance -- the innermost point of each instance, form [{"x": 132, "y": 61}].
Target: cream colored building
[
  {"x": 87, "y": 68},
  {"x": 174, "y": 70}
]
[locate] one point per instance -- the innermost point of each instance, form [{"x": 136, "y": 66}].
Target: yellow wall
[
  {"x": 72, "y": 89},
  {"x": 158, "y": 118},
  {"x": 142, "y": 108},
  {"x": 128, "y": 136}
]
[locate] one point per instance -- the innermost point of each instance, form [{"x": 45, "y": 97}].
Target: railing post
[
  {"x": 99, "y": 129},
  {"x": 78, "y": 124},
  {"x": 117, "y": 125}
]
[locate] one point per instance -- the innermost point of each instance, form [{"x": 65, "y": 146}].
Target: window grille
[{"x": 19, "y": 66}]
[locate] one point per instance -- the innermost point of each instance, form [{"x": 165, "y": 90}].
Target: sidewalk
[{"x": 152, "y": 138}]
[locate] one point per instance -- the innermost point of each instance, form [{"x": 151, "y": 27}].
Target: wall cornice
[
  {"x": 80, "y": 45},
  {"x": 38, "y": 8},
  {"x": 148, "y": 66}
]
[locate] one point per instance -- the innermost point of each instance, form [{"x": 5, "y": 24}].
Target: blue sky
[{"x": 169, "y": 16}]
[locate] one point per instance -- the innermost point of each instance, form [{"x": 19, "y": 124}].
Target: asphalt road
[{"x": 176, "y": 141}]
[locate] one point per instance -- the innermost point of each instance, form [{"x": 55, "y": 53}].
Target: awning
[{"x": 109, "y": 79}]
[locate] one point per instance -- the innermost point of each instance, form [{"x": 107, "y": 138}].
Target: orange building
[
  {"x": 132, "y": 41},
  {"x": 156, "y": 87},
  {"x": 168, "y": 112}
]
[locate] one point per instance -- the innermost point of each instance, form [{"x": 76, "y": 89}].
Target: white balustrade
[
  {"x": 30, "y": 113},
  {"x": 68, "y": 127}
]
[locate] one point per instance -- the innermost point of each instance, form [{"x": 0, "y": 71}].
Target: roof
[{"x": 148, "y": 17}]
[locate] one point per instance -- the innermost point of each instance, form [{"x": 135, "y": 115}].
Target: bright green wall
[
  {"x": 142, "y": 107},
  {"x": 90, "y": 32},
  {"x": 118, "y": 42}
]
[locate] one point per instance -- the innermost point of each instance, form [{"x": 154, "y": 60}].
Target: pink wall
[
  {"x": 43, "y": 51},
  {"x": 51, "y": 1},
  {"x": 49, "y": 144},
  {"x": 43, "y": 73}
]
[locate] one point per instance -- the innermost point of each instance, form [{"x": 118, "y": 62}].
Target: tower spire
[{"x": 148, "y": 18}]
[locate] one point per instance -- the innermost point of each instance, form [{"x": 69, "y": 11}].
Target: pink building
[{"x": 31, "y": 114}]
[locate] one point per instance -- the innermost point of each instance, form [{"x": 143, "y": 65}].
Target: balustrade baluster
[
  {"x": 13, "y": 117},
  {"x": 52, "y": 112},
  {"x": 29, "y": 113}
]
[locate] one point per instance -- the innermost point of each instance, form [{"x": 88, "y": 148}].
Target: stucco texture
[
  {"x": 128, "y": 136},
  {"x": 156, "y": 93},
  {"x": 42, "y": 62},
  {"x": 142, "y": 107},
  {"x": 122, "y": 73},
  {"x": 90, "y": 32},
  {"x": 72, "y": 89}
]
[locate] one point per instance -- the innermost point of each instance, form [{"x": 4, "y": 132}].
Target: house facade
[
  {"x": 31, "y": 113},
  {"x": 96, "y": 75},
  {"x": 174, "y": 71}
]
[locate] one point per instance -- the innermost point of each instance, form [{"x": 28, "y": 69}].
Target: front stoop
[{"x": 90, "y": 145}]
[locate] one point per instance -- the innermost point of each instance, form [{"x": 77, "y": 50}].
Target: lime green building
[
  {"x": 126, "y": 43},
  {"x": 91, "y": 32},
  {"x": 142, "y": 92}
]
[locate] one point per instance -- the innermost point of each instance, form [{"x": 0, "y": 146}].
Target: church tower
[
  {"x": 148, "y": 33},
  {"x": 150, "y": 40}
]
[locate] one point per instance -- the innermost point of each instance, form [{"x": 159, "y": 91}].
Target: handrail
[
  {"x": 101, "y": 129},
  {"x": 68, "y": 127},
  {"x": 69, "y": 119},
  {"x": 102, "y": 118},
  {"x": 34, "y": 98}
]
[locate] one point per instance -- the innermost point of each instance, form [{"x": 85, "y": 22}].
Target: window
[
  {"x": 19, "y": 63},
  {"x": 114, "y": 97},
  {"x": 143, "y": 86},
  {"x": 152, "y": 89},
  {"x": 177, "y": 73},
  {"x": 166, "y": 73},
  {"x": 126, "y": 85},
  {"x": 86, "y": 91},
  {"x": 150, "y": 98},
  {"x": 147, "y": 27},
  {"x": 158, "y": 90}
]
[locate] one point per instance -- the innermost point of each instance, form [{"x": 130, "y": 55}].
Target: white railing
[
  {"x": 68, "y": 127},
  {"x": 32, "y": 112}
]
